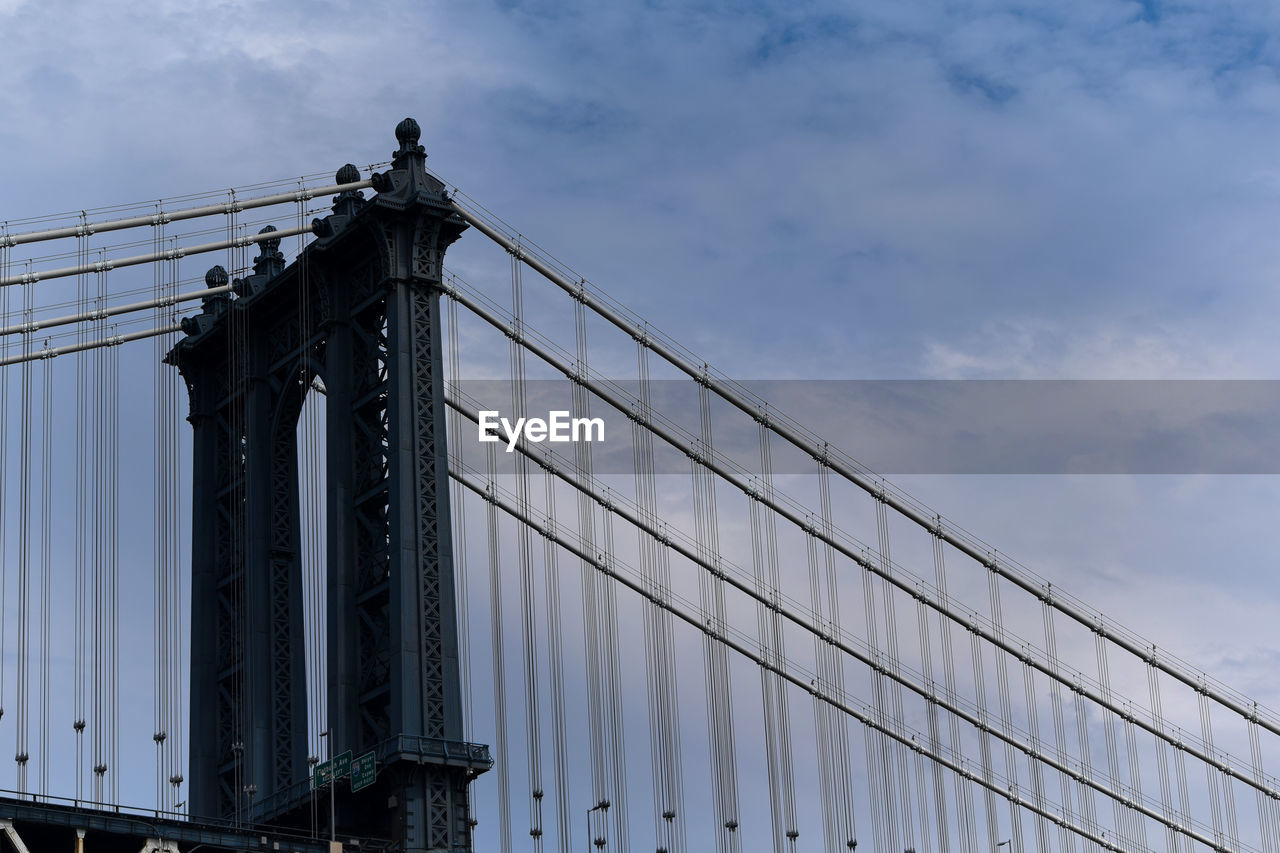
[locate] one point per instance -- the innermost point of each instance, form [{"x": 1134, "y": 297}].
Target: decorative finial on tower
[
  {"x": 271, "y": 260},
  {"x": 348, "y": 174},
  {"x": 270, "y": 243},
  {"x": 210, "y": 306},
  {"x": 408, "y": 133},
  {"x": 408, "y": 181},
  {"x": 216, "y": 277},
  {"x": 411, "y": 155},
  {"x": 348, "y": 202}
]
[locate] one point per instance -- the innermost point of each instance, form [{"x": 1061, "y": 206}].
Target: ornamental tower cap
[
  {"x": 348, "y": 174},
  {"x": 216, "y": 277},
  {"x": 408, "y": 133}
]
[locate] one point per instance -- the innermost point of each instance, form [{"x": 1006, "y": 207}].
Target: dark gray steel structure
[{"x": 360, "y": 309}]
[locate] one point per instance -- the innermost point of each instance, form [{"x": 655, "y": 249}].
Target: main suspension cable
[
  {"x": 161, "y": 217},
  {"x": 619, "y": 400},
  {"x": 746, "y": 583},
  {"x": 849, "y": 469},
  {"x": 803, "y": 680}
]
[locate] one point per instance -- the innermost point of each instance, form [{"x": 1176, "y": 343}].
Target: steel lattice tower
[{"x": 360, "y": 309}]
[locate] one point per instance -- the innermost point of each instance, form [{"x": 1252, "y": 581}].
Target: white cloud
[{"x": 1036, "y": 348}]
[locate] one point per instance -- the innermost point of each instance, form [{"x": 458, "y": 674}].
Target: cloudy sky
[
  {"x": 888, "y": 190},
  {"x": 892, "y": 190}
]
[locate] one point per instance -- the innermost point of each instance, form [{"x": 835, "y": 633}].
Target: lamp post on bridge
[
  {"x": 312, "y": 761},
  {"x": 603, "y": 805},
  {"x": 333, "y": 823}
]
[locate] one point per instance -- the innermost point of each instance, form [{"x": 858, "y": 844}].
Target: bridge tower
[{"x": 359, "y": 309}]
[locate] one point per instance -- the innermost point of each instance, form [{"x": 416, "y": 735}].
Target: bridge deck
[{"x": 46, "y": 825}]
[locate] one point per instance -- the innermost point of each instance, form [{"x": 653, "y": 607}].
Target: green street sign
[
  {"x": 322, "y": 775},
  {"x": 364, "y": 770},
  {"x": 326, "y": 771}
]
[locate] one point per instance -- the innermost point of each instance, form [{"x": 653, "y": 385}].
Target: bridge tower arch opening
[{"x": 313, "y": 516}]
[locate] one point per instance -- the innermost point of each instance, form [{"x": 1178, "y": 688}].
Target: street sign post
[{"x": 364, "y": 771}]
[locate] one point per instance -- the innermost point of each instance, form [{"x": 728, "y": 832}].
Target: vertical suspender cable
[
  {"x": 160, "y": 555},
  {"x": 1228, "y": 799},
  {"x": 601, "y": 611},
  {"x": 235, "y": 563},
  {"x": 168, "y": 544},
  {"x": 1036, "y": 770},
  {"x": 1066, "y": 839},
  {"x": 171, "y": 510},
  {"x": 935, "y": 733},
  {"x": 719, "y": 689},
  {"x": 821, "y": 719},
  {"x": 604, "y": 727},
  {"x": 1184, "y": 796},
  {"x": 84, "y": 456},
  {"x": 1088, "y": 803},
  {"x": 922, "y": 796},
  {"x": 875, "y": 794},
  {"x": 1172, "y": 841},
  {"x": 46, "y": 565},
  {"x": 524, "y": 558},
  {"x": 4, "y": 452},
  {"x": 768, "y": 698},
  {"x": 712, "y": 616},
  {"x": 1122, "y": 818},
  {"x": 880, "y": 774},
  {"x": 772, "y": 649},
  {"x": 664, "y": 724},
  {"x": 238, "y": 357},
  {"x": 893, "y": 662},
  {"x": 1006, "y": 707},
  {"x": 102, "y": 722},
  {"x": 1211, "y": 778},
  {"x": 496, "y": 618},
  {"x": 24, "y": 551},
  {"x": 837, "y": 723},
  {"x": 608, "y": 606},
  {"x": 984, "y": 738},
  {"x": 113, "y": 562},
  {"x": 458, "y": 508},
  {"x": 1135, "y": 780},
  {"x": 4, "y": 458},
  {"x": 1266, "y": 825},
  {"x": 177, "y": 552},
  {"x": 778, "y": 643},
  {"x": 458, "y": 515},
  {"x": 555, "y": 655},
  {"x": 963, "y": 788},
  {"x": 174, "y": 524},
  {"x": 97, "y": 514},
  {"x": 652, "y": 665}
]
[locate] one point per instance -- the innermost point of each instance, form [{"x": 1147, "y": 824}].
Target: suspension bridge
[{"x": 267, "y": 586}]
